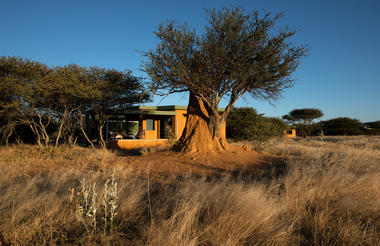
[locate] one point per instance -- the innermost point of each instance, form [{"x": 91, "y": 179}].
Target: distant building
[{"x": 290, "y": 133}]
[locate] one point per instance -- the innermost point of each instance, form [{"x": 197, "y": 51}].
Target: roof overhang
[
  {"x": 142, "y": 112},
  {"x": 151, "y": 110}
]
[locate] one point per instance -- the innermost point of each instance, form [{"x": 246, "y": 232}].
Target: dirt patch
[{"x": 234, "y": 161}]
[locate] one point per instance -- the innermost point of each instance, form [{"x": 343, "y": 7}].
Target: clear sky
[{"x": 340, "y": 76}]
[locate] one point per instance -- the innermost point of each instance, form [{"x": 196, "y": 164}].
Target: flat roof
[
  {"x": 166, "y": 107},
  {"x": 151, "y": 110},
  {"x": 142, "y": 112},
  {"x": 161, "y": 108}
]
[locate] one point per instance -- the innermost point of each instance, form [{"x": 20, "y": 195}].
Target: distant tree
[
  {"x": 237, "y": 54},
  {"x": 246, "y": 124},
  {"x": 316, "y": 129},
  {"x": 342, "y": 126},
  {"x": 373, "y": 128},
  {"x": 374, "y": 124},
  {"x": 303, "y": 118}
]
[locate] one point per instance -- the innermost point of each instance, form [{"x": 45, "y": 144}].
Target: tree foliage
[
  {"x": 9, "y": 103},
  {"x": 374, "y": 124},
  {"x": 237, "y": 54},
  {"x": 304, "y": 115},
  {"x": 38, "y": 96},
  {"x": 25, "y": 89},
  {"x": 372, "y": 128}
]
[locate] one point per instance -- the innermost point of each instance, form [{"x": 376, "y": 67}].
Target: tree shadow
[
  {"x": 270, "y": 169},
  {"x": 170, "y": 167}
]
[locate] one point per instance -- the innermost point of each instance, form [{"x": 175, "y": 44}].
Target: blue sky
[{"x": 340, "y": 76}]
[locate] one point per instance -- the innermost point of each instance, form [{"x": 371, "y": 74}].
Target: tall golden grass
[{"x": 329, "y": 194}]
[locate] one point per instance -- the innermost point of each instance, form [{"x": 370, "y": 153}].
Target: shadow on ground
[{"x": 237, "y": 165}]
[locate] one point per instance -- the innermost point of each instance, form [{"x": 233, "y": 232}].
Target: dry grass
[{"x": 329, "y": 195}]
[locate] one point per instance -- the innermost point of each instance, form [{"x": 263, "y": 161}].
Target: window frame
[{"x": 153, "y": 125}]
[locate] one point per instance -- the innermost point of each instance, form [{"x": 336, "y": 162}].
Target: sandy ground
[{"x": 168, "y": 163}]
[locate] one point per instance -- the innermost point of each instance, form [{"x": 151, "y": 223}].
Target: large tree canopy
[
  {"x": 36, "y": 95},
  {"x": 237, "y": 53},
  {"x": 25, "y": 97}
]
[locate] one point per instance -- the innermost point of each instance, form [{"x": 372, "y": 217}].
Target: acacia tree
[
  {"x": 303, "y": 117},
  {"x": 27, "y": 88},
  {"x": 39, "y": 96},
  {"x": 10, "y": 103},
  {"x": 117, "y": 89},
  {"x": 237, "y": 54},
  {"x": 73, "y": 88}
]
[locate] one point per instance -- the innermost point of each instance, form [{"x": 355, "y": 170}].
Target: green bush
[
  {"x": 246, "y": 124},
  {"x": 372, "y": 128},
  {"x": 342, "y": 126}
]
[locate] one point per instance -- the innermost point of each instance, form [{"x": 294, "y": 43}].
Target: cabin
[
  {"x": 290, "y": 133},
  {"x": 146, "y": 126}
]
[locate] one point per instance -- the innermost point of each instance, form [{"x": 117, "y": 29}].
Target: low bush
[
  {"x": 246, "y": 124},
  {"x": 342, "y": 126}
]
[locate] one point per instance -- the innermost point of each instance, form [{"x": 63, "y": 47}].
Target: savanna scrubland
[{"x": 323, "y": 193}]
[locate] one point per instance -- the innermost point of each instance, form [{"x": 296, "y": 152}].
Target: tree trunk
[
  {"x": 59, "y": 134},
  {"x": 84, "y": 132},
  {"x": 42, "y": 127},
  {"x": 101, "y": 139},
  {"x": 70, "y": 140},
  {"x": 202, "y": 132},
  {"x": 102, "y": 120},
  {"x": 33, "y": 127},
  {"x": 8, "y": 136}
]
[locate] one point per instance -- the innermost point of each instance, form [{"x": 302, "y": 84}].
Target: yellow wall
[
  {"x": 136, "y": 143},
  {"x": 150, "y": 134},
  {"x": 292, "y": 135}
]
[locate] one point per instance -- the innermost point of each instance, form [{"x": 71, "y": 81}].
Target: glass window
[{"x": 150, "y": 125}]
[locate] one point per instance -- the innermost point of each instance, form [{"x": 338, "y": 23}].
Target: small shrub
[{"x": 91, "y": 214}]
